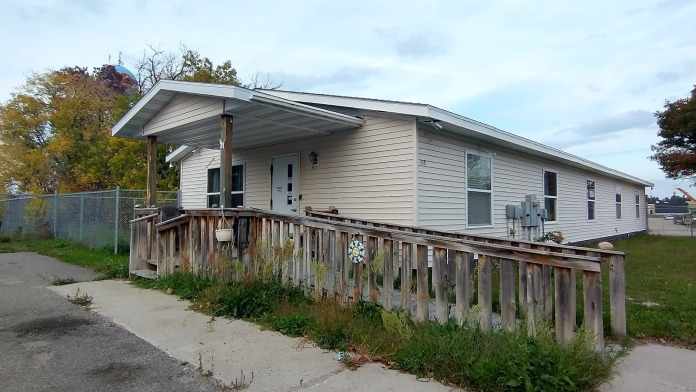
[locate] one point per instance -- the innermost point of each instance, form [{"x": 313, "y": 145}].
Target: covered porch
[{"x": 224, "y": 118}]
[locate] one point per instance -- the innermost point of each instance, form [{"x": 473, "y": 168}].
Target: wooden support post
[
  {"x": 347, "y": 267},
  {"x": 422, "y": 294},
  {"x": 388, "y": 274},
  {"x": 405, "y": 289},
  {"x": 297, "y": 256},
  {"x": 617, "y": 295},
  {"x": 226, "y": 161},
  {"x": 592, "y": 293},
  {"x": 151, "y": 191},
  {"x": 357, "y": 279},
  {"x": 286, "y": 262},
  {"x": 507, "y": 293},
  {"x": 522, "y": 286},
  {"x": 328, "y": 260},
  {"x": 484, "y": 292},
  {"x": 371, "y": 253},
  {"x": 573, "y": 291},
  {"x": 440, "y": 285},
  {"x": 563, "y": 319},
  {"x": 463, "y": 285},
  {"x": 307, "y": 245},
  {"x": 534, "y": 298},
  {"x": 338, "y": 255},
  {"x": 547, "y": 290}
]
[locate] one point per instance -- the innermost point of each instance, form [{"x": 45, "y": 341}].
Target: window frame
[
  {"x": 636, "y": 200},
  {"x": 244, "y": 183},
  {"x": 618, "y": 204},
  {"x": 543, "y": 191},
  {"x": 593, "y": 201},
  {"x": 207, "y": 187},
  {"x": 490, "y": 192}
]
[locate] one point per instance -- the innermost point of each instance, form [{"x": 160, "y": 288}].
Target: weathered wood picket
[{"x": 430, "y": 274}]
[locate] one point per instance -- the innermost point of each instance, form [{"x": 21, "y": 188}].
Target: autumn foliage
[
  {"x": 676, "y": 151},
  {"x": 55, "y": 130}
]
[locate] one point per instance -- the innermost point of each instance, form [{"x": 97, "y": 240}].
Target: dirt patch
[
  {"x": 117, "y": 372},
  {"x": 55, "y": 326}
]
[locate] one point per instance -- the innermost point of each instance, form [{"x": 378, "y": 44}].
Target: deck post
[
  {"x": 226, "y": 161},
  {"x": 151, "y": 191},
  {"x": 617, "y": 295}
]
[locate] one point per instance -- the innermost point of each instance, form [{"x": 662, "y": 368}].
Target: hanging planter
[
  {"x": 224, "y": 235},
  {"x": 224, "y": 232},
  {"x": 356, "y": 251}
]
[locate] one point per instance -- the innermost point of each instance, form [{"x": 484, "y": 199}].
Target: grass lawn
[
  {"x": 661, "y": 288},
  {"x": 101, "y": 260}
]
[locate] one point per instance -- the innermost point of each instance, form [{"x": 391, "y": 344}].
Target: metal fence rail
[{"x": 95, "y": 219}]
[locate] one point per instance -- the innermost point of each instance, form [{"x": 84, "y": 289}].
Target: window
[
  {"x": 213, "y": 188},
  {"x": 237, "y": 191},
  {"x": 551, "y": 194},
  {"x": 590, "y": 199},
  {"x": 637, "y": 198},
  {"x": 618, "y": 204},
  {"x": 479, "y": 190},
  {"x": 237, "y": 186}
]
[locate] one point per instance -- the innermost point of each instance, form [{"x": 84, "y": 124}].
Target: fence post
[
  {"x": 82, "y": 215},
  {"x": 55, "y": 214},
  {"x": 116, "y": 217}
]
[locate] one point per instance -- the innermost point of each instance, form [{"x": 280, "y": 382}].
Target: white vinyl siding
[
  {"x": 368, "y": 172},
  {"x": 183, "y": 109},
  {"x": 442, "y": 189}
]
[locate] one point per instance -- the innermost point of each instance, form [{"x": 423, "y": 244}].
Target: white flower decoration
[{"x": 356, "y": 251}]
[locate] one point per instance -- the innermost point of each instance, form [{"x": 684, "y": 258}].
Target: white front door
[{"x": 285, "y": 190}]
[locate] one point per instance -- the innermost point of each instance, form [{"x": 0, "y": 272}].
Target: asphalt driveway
[{"x": 50, "y": 344}]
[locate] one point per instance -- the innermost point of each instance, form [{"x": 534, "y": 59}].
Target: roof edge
[{"x": 439, "y": 114}]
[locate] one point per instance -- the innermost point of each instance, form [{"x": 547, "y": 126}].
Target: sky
[{"x": 582, "y": 76}]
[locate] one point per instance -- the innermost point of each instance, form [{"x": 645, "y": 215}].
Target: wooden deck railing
[{"x": 311, "y": 252}]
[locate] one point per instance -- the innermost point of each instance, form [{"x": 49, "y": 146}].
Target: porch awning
[{"x": 187, "y": 113}]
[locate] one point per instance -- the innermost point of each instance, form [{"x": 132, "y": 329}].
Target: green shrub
[
  {"x": 291, "y": 325},
  {"x": 501, "y": 360},
  {"x": 255, "y": 299},
  {"x": 184, "y": 285},
  {"x": 368, "y": 310}
]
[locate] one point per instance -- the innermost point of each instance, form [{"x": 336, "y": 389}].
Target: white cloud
[{"x": 535, "y": 70}]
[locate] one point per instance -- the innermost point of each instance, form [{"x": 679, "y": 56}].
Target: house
[{"x": 399, "y": 162}]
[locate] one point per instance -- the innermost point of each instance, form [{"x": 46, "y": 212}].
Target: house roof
[
  {"x": 258, "y": 116},
  {"x": 318, "y": 107},
  {"x": 452, "y": 122}
]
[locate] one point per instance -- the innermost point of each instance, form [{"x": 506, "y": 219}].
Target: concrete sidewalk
[{"x": 227, "y": 348}]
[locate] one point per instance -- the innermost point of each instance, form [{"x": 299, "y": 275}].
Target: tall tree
[{"x": 676, "y": 151}]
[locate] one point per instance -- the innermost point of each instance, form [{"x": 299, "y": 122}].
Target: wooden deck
[{"x": 537, "y": 280}]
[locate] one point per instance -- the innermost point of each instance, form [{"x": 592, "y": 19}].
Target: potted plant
[{"x": 224, "y": 232}]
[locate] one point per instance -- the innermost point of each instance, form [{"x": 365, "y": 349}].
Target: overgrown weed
[{"x": 462, "y": 355}]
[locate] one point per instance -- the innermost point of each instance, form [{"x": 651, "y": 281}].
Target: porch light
[{"x": 314, "y": 159}]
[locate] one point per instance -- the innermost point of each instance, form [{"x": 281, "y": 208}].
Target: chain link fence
[{"x": 95, "y": 219}]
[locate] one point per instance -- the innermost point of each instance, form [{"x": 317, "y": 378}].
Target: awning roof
[{"x": 259, "y": 118}]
